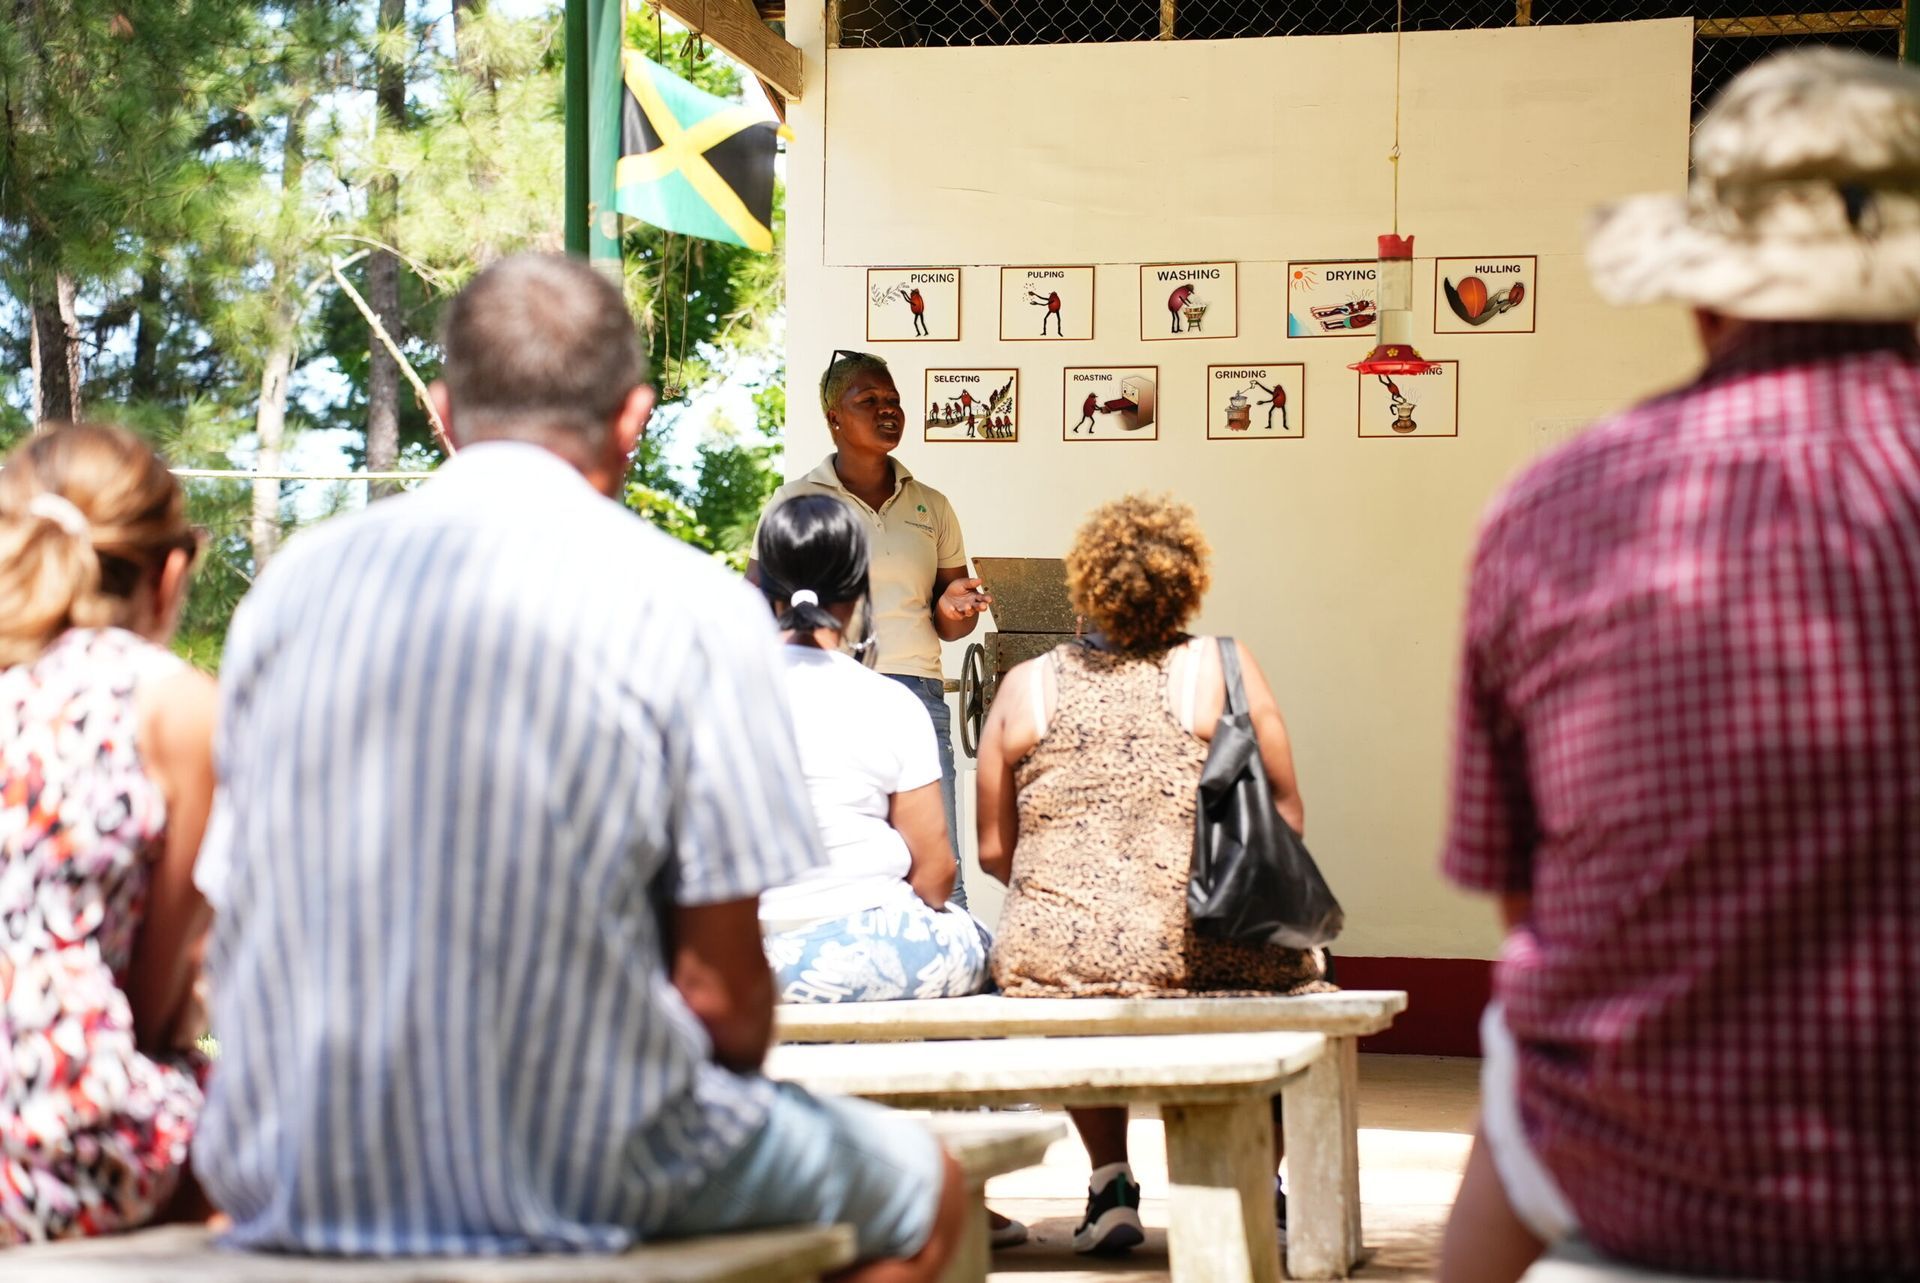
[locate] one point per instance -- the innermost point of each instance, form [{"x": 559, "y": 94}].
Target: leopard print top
[{"x": 1098, "y": 901}]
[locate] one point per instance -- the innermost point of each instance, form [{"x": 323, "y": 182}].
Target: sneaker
[
  {"x": 1112, "y": 1222},
  {"x": 1004, "y": 1231}
]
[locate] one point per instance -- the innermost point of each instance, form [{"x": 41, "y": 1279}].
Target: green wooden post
[
  {"x": 1909, "y": 48},
  {"x": 574, "y": 219},
  {"x": 593, "y": 128}
]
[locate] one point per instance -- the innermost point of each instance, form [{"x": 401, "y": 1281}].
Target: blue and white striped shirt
[{"x": 461, "y": 734}]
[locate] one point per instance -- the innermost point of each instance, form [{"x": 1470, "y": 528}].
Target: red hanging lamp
[{"x": 1395, "y": 352}]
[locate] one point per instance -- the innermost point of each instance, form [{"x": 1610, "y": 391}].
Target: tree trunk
[
  {"x": 383, "y": 268},
  {"x": 55, "y": 351},
  {"x": 270, "y": 423},
  {"x": 149, "y": 325}
]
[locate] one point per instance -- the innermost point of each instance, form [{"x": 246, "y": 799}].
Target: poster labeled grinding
[
  {"x": 1255, "y": 402},
  {"x": 1111, "y": 403},
  {"x": 1189, "y": 301},
  {"x": 1045, "y": 303},
  {"x": 1332, "y": 300},
  {"x": 972, "y": 405},
  {"x": 1411, "y": 405},
  {"x": 908, "y": 304},
  {"x": 1484, "y": 295}
]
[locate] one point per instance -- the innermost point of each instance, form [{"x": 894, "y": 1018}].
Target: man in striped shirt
[{"x": 504, "y": 772}]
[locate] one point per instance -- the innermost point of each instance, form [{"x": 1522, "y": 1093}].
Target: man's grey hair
[
  {"x": 539, "y": 345},
  {"x": 843, "y": 369}
]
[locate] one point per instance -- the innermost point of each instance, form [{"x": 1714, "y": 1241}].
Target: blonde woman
[{"x": 106, "y": 777}]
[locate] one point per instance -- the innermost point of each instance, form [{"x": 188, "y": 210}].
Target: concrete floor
[{"x": 1416, "y": 1119}]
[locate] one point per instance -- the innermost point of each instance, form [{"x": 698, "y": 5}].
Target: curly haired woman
[{"x": 1089, "y": 771}]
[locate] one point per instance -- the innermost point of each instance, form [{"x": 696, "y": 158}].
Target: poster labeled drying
[
  {"x": 1411, "y": 405},
  {"x": 1256, "y": 402},
  {"x": 1332, "y": 300},
  {"x": 1111, "y": 403},
  {"x": 905, "y": 304},
  {"x": 1189, "y": 301},
  {"x": 972, "y": 405},
  {"x": 1484, "y": 295},
  {"x": 1046, "y": 303}
]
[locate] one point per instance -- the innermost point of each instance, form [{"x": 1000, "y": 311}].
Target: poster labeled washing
[
  {"x": 1332, "y": 300},
  {"x": 1111, "y": 403},
  {"x": 1411, "y": 405},
  {"x": 905, "y": 304},
  {"x": 1045, "y": 303},
  {"x": 1189, "y": 301},
  {"x": 1265, "y": 402},
  {"x": 972, "y": 405},
  {"x": 1484, "y": 295}
]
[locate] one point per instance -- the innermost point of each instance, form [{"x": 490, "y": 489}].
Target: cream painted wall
[{"x": 1340, "y": 561}]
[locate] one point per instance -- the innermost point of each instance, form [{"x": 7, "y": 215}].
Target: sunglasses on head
[{"x": 844, "y": 354}]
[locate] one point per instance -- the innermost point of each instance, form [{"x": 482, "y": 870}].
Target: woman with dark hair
[{"x": 874, "y": 922}]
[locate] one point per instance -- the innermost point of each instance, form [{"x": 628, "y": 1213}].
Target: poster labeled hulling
[
  {"x": 908, "y": 304},
  {"x": 972, "y": 405},
  {"x": 1046, "y": 303},
  {"x": 1256, "y": 402},
  {"x": 1492, "y": 295},
  {"x": 1111, "y": 403}
]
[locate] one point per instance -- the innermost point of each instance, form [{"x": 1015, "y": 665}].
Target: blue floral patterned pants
[{"x": 904, "y": 950}]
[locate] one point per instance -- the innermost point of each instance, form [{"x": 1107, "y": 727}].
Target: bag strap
[{"x": 1230, "y": 670}]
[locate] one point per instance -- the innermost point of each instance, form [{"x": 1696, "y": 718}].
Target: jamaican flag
[{"x": 691, "y": 162}]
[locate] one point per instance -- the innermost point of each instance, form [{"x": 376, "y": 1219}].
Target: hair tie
[
  {"x": 805, "y": 597},
  {"x": 62, "y": 512}
]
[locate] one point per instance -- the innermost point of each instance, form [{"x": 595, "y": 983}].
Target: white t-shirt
[{"x": 863, "y": 737}]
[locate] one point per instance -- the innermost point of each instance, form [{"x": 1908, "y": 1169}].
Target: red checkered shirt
[{"x": 1689, "y": 729}]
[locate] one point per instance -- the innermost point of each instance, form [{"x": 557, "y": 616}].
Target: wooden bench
[
  {"x": 1213, "y": 1092},
  {"x": 1325, "y": 1184},
  {"x": 983, "y": 1145}
]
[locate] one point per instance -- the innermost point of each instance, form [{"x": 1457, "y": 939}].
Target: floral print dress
[{"x": 93, "y": 1134}]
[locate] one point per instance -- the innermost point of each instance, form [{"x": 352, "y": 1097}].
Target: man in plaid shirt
[{"x": 1688, "y": 755}]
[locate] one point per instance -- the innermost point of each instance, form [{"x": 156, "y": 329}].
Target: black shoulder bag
[{"x": 1253, "y": 881}]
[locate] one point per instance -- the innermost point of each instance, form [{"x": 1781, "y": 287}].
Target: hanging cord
[
  {"x": 1399, "y": 30},
  {"x": 686, "y": 312},
  {"x": 666, "y": 312}
]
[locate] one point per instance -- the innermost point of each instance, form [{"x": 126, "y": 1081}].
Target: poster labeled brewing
[
  {"x": 1256, "y": 402},
  {"x": 1484, "y": 295},
  {"x": 1411, "y": 405},
  {"x": 1333, "y": 300},
  {"x": 1111, "y": 403},
  {"x": 909, "y": 303},
  {"x": 972, "y": 405},
  {"x": 1189, "y": 301},
  {"x": 1046, "y": 303}
]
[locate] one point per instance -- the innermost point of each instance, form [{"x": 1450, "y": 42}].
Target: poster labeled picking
[
  {"x": 1046, "y": 303},
  {"x": 1111, "y": 403},
  {"x": 972, "y": 405},
  {"x": 1189, "y": 301},
  {"x": 1484, "y": 295},
  {"x": 905, "y": 304},
  {"x": 1332, "y": 300},
  {"x": 1256, "y": 402},
  {"x": 1411, "y": 405}
]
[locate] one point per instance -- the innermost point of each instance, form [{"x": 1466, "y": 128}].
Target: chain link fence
[{"x": 1726, "y": 39}]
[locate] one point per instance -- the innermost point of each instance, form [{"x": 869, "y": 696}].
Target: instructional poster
[
  {"x": 905, "y": 304},
  {"x": 1189, "y": 301},
  {"x": 1484, "y": 295},
  {"x": 1046, "y": 303},
  {"x": 1411, "y": 405},
  {"x": 1111, "y": 403},
  {"x": 1332, "y": 300},
  {"x": 1256, "y": 402},
  {"x": 972, "y": 405}
]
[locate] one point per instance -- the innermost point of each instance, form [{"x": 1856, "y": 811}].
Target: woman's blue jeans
[{"x": 933, "y": 693}]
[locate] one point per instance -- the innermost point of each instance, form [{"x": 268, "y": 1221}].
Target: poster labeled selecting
[
  {"x": 1411, "y": 405},
  {"x": 909, "y": 303},
  {"x": 972, "y": 405},
  {"x": 1111, "y": 403},
  {"x": 1256, "y": 402},
  {"x": 1046, "y": 303},
  {"x": 1332, "y": 300},
  {"x": 1484, "y": 295},
  {"x": 1190, "y": 301}
]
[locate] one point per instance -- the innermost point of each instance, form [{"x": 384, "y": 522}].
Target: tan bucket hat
[{"x": 1804, "y": 202}]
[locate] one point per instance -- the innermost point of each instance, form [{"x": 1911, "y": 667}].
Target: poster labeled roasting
[
  {"x": 1111, "y": 403},
  {"x": 1256, "y": 402},
  {"x": 1189, "y": 301},
  {"x": 1332, "y": 300},
  {"x": 909, "y": 303},
  {"x": 1484, "y": 295},
  {"x": 1046, "y": 303},
  {"x": 972, "y": 405},
  {"x": 1411, "y": 405}
]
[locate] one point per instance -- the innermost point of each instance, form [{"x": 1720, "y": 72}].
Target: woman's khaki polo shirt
[{"x": 913, "y": 535}]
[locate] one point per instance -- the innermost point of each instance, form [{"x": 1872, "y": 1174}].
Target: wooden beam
[
  {"x": 1837, "y": 21},
  {"x": 736, "y": 28},
  {"x": 1166, "y": 19},
  {"x": 1523, "y": 13}
]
